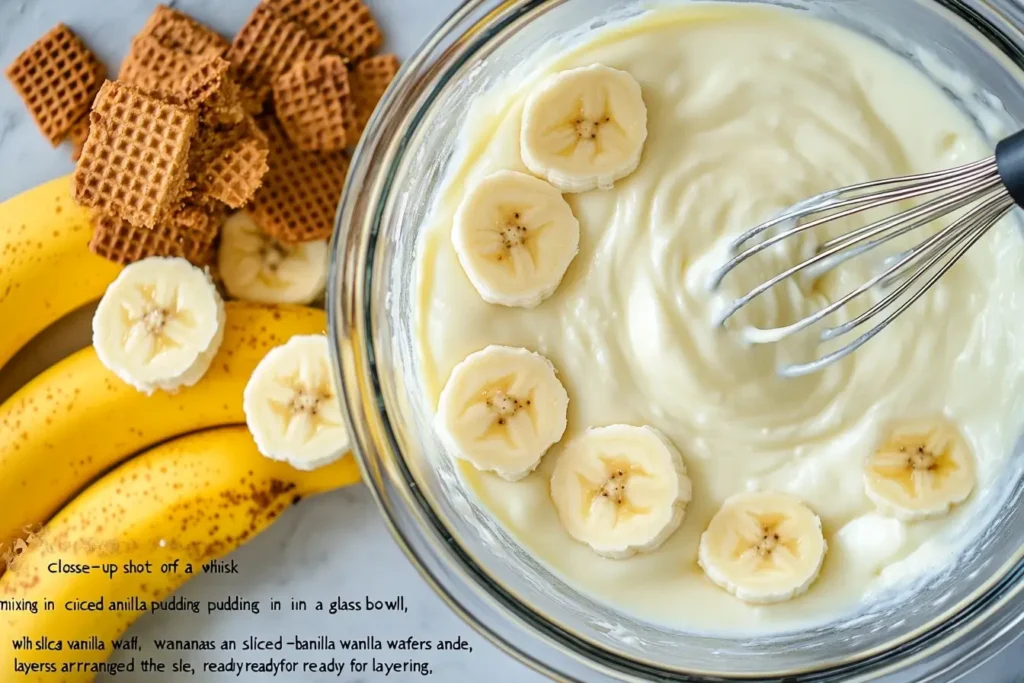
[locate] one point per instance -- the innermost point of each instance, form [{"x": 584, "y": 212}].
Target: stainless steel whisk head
[{"x": 986, "y": 190}]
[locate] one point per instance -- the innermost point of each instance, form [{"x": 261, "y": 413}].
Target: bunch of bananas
[{"x": 96, "y": 470}]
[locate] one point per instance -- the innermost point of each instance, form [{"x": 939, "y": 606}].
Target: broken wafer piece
[
  {"x": 202, "y": 82},
  {"x": 368, "y": 81},
  {"x": 77, "y": 136},
  {"x": 348, "y": 25},
  {"x": 300, "y": 192},
  {"x": 229, "y": 166},
  {"x": 210, "y": 87},
  {"x": 119, "y": 241},
  {"x": 310, "y": 100},
  {"x": 179, "y": 31},
  {"x": 266, "y": 46},
  {"x": 134, "y": 163},
  {"x": 57, "y": 78}
]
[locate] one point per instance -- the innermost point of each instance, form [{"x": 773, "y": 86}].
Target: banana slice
[
  {"x": 763, "y": 547},
  {"x": 620, "y": 489},
  {"x": 501, "y": 410},
  {"x": 159, "y": 324},
  {"x": 256, "y": 267},
  {"x": 292, "y": 408},
  {"x": 921, "y": 469},
  {"x": 584, "y": 128},
  {"x": 515, "y": 237}
]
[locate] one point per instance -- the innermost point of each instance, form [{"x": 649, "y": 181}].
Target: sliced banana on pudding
[
  {"x": 501, "y": 410},
  {"x": 763, "y": 547},
  {"x": 159, "y": 324},
  {"x": 921, "y": 469},
  {"x": 292, "y": 408},
  {"x": 256, "y": 267},
  {"x": 515, "y": 236},
  {"x": 620, "y": 489},
  {"x": 584, "y": 128}
]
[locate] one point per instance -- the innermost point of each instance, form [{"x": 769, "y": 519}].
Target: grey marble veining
[{"x": 331, "y": 547}]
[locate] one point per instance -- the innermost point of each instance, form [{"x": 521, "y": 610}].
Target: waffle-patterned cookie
[
  {"x": 119, "y": 241},
  {"x": 57, "y": 78},
  {"x": 155, "y": 68},
  {"x": 228, "y": 167},
  {"x": 310, "y": 100},
  {"x": 347, "y": 25},
  {"x": 77, "y": 136},
  {"x": 210, "y": 87},
  {"x": 265, "y": 47},
  {"x": 181, "y": 32},
  {"x": 367, "y": 81},
  {"x": 134, "y": 163},
  {"x": 300, "y": 192},
  {"x": 202, "y": 81}
]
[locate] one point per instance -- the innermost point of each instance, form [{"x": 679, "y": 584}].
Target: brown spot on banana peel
[
  {"x": 143, "y": 523},
  {"x": 91, "y": 411}
]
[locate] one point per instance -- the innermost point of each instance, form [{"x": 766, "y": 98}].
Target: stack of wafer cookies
[{"x": 171, "y": 147}]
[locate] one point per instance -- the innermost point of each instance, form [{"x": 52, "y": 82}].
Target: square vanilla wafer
[
  {"x": 348, "y": 25},
  {"x": 57, "y": 77},
  {"x": 310, "y": 100},
  {"x": 134, "y": 162}
]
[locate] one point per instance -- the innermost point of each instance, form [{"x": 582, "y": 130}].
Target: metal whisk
[{"x": 986, "y": 190}]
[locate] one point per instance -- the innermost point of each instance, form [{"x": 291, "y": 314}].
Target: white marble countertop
[{"x": 334, "y": 546}]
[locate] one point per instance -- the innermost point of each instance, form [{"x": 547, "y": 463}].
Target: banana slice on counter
[
  {"x": 501, "y": 410},
  {"x": 515, "y": 237},
  {"x": 620, "y": 489},
  {"x": 159, "y": 324},
  {"x": 584, "y": 128},
  {"x": 921, "y": 469},
  {"x": 256, "y": 267},
  {"x": 292, "y": 408},
  {"x": 763, "y": 547}
]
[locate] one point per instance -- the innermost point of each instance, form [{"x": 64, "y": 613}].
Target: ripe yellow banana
[
  {"x": 77, "y": 419},
  {"x": 46, "y": 268},
  {"x": 193, "y": 499}
]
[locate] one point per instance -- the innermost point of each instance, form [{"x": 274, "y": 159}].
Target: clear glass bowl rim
[{"x": 946, "y": 652}]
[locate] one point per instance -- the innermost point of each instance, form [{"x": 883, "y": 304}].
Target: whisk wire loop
[
  {"x": 985, "y": 222},
  {"x": 980, "y": 189},
  {"x": 910, "y": 187}
]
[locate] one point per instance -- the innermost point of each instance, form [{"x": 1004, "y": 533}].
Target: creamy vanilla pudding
[{"x": 747, "y": 111}]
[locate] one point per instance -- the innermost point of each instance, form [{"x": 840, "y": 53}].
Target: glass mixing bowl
[{"x": 952, "y": 624}]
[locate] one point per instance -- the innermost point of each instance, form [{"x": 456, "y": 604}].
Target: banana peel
[
  {"x": 190, "y": 501},
  {"x": 77, "y": 419},
  {"x": 46, "y": 268}
]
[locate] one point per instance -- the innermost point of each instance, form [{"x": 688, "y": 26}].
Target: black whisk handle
[{"x": 1010, "y": 162}]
